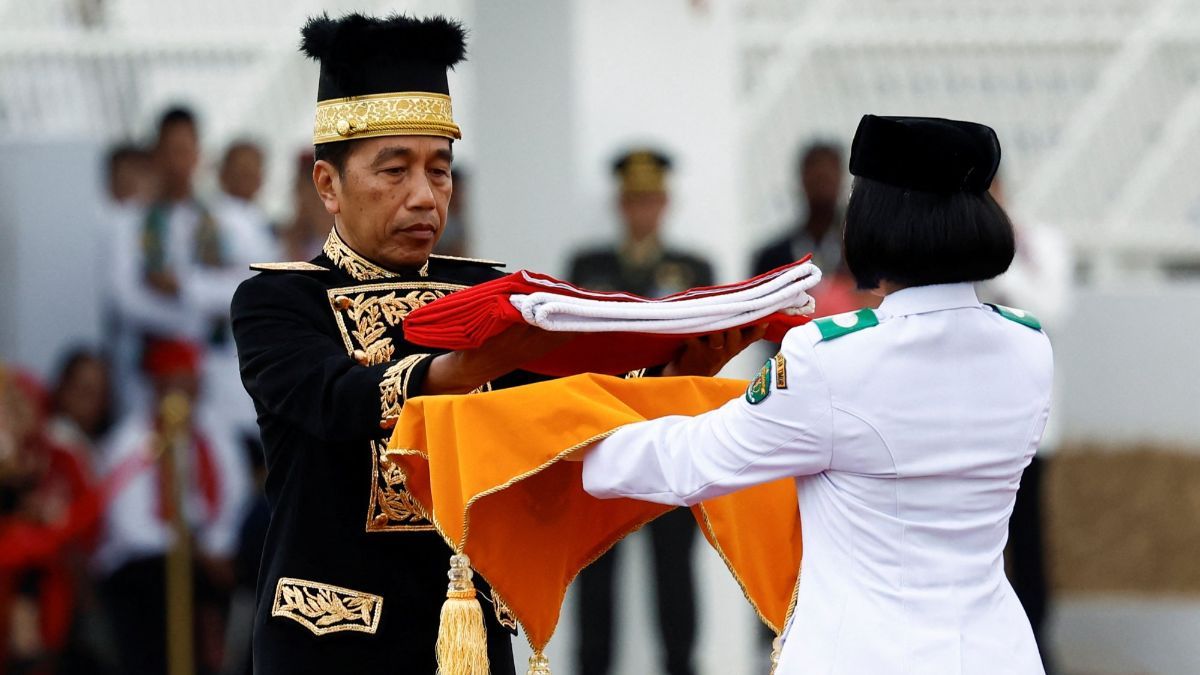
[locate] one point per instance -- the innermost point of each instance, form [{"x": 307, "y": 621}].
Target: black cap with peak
[{"x": 929, "y": 154}]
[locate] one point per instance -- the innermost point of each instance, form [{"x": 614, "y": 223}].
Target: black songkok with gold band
[
  {"x": 928, "y": 154},
  {"x": 642, "y": 170},
  {"x": 383, "y": 76}
]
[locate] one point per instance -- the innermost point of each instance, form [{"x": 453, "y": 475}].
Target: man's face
[
  {"x": 642, "y": 212},
  {"x": 390, "y": 199},
  {"x": 178, "y": 153},
  {"x": 242, "y": 173},
  {"x": 821, "y": 180}
]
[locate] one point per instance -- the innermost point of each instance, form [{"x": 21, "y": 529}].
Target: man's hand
[
  {"x": 707, "y": 354},
  {"x": 463, "y": 371}
]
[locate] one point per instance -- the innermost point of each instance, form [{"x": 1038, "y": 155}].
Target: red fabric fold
[{"x": 469, "y": 318}]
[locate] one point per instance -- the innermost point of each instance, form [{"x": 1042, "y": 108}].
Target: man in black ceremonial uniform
[{"x": 353, "y": 577}]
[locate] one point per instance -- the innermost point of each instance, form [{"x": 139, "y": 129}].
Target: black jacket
[{"x": 352, "y": 577}]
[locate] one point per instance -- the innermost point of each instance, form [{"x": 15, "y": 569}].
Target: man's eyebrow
[
  {"x": 391, "y": 152},
  {"x": 445, "y": 153}
]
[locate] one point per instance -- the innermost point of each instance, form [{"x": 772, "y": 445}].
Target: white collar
[{"x": 922, "y": 299}]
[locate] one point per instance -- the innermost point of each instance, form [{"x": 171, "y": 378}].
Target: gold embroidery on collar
[
  {"x": 364, "y": 319},
  {"x": 323, "y": 608},
  {"x": 357, "y": 266}
]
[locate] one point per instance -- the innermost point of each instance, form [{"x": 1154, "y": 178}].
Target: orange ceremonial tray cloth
[{"x": 488, "y": 471}]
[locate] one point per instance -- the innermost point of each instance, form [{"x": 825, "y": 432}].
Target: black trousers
[
  {"x": 672, "y": 537},
  {"x": 1027, "y": 554}
]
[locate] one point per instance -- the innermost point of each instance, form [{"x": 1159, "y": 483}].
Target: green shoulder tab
[
  {"x": 844, "y": 324},
  {"x": 1018, "y": 315}
]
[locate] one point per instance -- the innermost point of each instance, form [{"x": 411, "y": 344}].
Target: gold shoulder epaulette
[
  {"x": 288, "y": 267},
  {"x": 477, "y": 261}
]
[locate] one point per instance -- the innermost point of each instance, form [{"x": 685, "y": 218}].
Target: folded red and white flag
[{"x": 618, "y": 331}]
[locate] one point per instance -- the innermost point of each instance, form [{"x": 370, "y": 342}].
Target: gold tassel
[
  {"x": 539, "y": 664},
  {"x": 462, "y": 640}
]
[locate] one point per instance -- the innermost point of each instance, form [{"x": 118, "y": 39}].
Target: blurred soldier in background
[
  {"x": 641, "y": 264},
  {"x": 457, "y": 239},
  {"x": 820, "y": 174}
]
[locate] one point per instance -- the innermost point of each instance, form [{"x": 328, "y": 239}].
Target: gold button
[
  {"x": 343, "y": 127},
  {"x": 342, "y": 302},
  {"x": 360, "y": 356},
  {"x": 388, "y": 423}
]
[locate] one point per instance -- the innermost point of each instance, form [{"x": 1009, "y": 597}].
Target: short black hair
[
  {"x": 124, "y": 152},
  {"x": 177, "y": 115},
  {"x": 916, "y": 238},
  {"x": 335, "y": 153},
  {"x": 809, "y": 153}
]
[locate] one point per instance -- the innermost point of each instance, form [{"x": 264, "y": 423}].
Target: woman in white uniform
[{"x": 906, "y": 427}]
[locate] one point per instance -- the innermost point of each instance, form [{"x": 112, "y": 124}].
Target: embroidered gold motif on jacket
[
  {"x": 354, "y": 264},
  {"x": 365, "y": 314},
  {"x": 393, "y": 389},
  {"x": 323, "y": 608},
  {"x": 392, "y": 508}
]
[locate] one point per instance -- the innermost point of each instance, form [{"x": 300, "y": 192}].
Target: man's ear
[{"x": 328, "y": 182}]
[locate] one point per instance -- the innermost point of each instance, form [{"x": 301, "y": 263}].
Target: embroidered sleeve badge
[{"x": 760, "y": 386}]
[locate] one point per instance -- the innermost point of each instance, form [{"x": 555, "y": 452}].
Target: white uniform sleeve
[{"x": 685, "y": 460}]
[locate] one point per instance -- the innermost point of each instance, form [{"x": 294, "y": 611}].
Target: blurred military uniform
[
  {"x": 353, "y": 576},
  {"x": 642, "y": 265}
]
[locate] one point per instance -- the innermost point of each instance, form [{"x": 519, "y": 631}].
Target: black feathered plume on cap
[
  {"x": 925, "y": 153},
  {"x": 361, "y": 55}
]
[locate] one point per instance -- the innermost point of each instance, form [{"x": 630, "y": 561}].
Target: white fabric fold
[{"x": 692, "y": 312}]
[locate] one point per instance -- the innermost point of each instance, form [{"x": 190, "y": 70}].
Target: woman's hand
[{"x": 707, "y": 355}]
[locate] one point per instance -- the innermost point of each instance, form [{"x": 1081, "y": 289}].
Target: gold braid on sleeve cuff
[{"x": 393, "y": 389}]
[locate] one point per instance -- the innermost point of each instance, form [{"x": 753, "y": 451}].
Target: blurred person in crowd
[
  {"x": 80, "y": 415},
  {"x": 456, "y": 239},
  {"x": 81, "y": 403},
  {"x": 1039, "y": 281},
  {"x": 138, "y": 535},
  {"x": 820, "y": 175},
  {"x": 155, "y": 250},
  {"x": 132, "y": 181},
  {"x": 641, "y": 264},
  {"x": 311, "y": 223},
  {"x": 48, "y": 513},
  {"x": 246, "y": 237}
]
